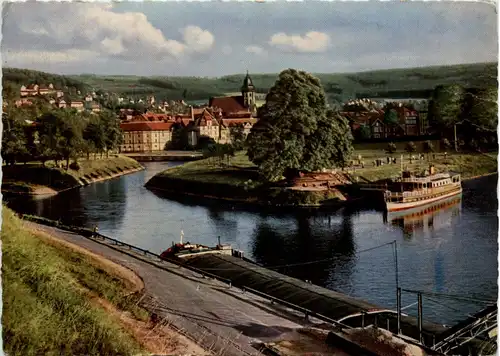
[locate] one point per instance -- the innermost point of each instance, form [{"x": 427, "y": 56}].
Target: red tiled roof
[
  {"x": 239, "y": 115},
  {"x": 146, "y": 126},
  {"x": 204, "y": 118},
  {"x": 198, "y": 111},
  {"x": 228, "y": 104},
  {"x": 155, "y": 117}
]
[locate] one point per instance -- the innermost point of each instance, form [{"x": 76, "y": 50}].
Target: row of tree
[
  {"x": 470, "y": 115},
  {"x": 58, "y": 135}
]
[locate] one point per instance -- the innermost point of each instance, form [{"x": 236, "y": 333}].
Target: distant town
[{"x": 150, "y": 125}]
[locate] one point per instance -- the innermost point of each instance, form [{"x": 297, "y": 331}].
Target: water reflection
[
  {"x": 308, "y": 239},
  {"x": 427, "y": 219},
  {"x": 102, "y": 204},
  {"x": 68, "y": 209}
]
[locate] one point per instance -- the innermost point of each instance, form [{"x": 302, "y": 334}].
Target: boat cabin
[{"x": 430, "y": 180}]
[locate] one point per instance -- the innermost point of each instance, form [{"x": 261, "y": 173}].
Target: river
[{"x": 453, "y": 250}]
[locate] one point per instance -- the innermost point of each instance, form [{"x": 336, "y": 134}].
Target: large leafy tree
[
  {"x": 113, "y": 135},
  {"x": 391, "y": 117},
  {"x": 296, "y": 131},
  {"x": 50, "y": 127},
  {"x": 94, "y": 135},
  {"x": 446, "y": 106},
  {"x": 14, "y": 141},
  {"x": 483, "y": 110},
  {"x": 71, "y": 129},
  {"x": 237, "y": 134}
]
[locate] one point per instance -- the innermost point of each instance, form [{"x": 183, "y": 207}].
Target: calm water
[{"x": 452, "y": 251}]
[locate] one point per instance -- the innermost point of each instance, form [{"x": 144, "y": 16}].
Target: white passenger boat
[{"x": 412, "y": 191}]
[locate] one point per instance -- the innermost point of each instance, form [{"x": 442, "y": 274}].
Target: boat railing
[{"x": 424, "y": 191}]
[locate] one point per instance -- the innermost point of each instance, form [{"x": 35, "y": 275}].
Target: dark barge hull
[{"x": 244, "y": 273}]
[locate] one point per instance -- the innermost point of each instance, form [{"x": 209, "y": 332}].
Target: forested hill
[
  {"x": 414, "y": 82},
  {"x": 17, "y": 77}
]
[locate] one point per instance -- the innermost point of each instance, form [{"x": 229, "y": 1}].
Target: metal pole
[
  {"x": 399, "y": 311},
  {"x": 420, "y": 317},
  {"x": 455, "y": 132},
  {"x": 398, "y": 290}
]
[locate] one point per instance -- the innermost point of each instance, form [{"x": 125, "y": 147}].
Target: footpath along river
[{"x": 453, "y": 250}]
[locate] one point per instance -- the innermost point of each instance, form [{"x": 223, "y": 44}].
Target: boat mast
[{"x": 402, "y": 166}]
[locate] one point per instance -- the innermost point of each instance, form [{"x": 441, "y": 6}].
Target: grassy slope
[
  {"x": 340, "y": 85},
  {"x": 207, "y": 170},
  {"x": 25, "y": 178},
  {"x": 46, "y": 299}
]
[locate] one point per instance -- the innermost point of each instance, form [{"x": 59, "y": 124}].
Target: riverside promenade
[{"x": 224, "y": 320}]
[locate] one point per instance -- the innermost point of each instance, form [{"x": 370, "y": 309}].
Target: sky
[{"x": 212, "y": 39}]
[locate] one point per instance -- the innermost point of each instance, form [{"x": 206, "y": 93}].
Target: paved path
[{"x": 217, "y": 317}]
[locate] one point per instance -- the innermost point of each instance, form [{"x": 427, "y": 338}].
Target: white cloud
[
  {"x": 95, "y": 27},
  {"x": 312, "y": 41},
  {"x": 197, "y": 40},
  {"x": 255, "y": 50}
]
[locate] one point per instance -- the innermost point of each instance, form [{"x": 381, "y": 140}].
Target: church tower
[{"x": 248, "y": 93}]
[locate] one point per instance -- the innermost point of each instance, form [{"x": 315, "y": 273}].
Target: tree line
[
  {"x": 18, "y": 77},
  {"x": 465, "y": 116},
  {"x": 59, "y": 135}
]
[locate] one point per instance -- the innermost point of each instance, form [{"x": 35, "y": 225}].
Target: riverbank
[
  {"x": 59, "y": 297},
  {"x": 238, "y": 182},
  {"x": 36, "y": 179}
]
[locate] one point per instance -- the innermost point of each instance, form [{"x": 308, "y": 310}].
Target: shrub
[
  {"x": 391, "y": 147},
  {"x": 410, "y": 147}
]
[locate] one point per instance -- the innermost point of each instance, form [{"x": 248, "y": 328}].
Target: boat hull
[
  {"x": 394, "y": 207},
  {"x": 420, "y": 212}
]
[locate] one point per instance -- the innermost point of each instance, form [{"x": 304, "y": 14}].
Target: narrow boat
[{"x": 412, "y": 190}]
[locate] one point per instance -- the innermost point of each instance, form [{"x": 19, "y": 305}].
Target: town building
[
  {"x": 78, "y": 105},
  {"x": 408, "y": 123},
  {"x": 61, "y": 104},
  {"x": 35, "y": 90},
  {"x": 240, "y": 103},
  {"x": 145, "y": 136}
]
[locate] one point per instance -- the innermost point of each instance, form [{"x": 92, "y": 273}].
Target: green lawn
[
  {"x": 207, "y": 170},
  {"x": 47, "y": 308},
  {"x": 468, "y": 164}
]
